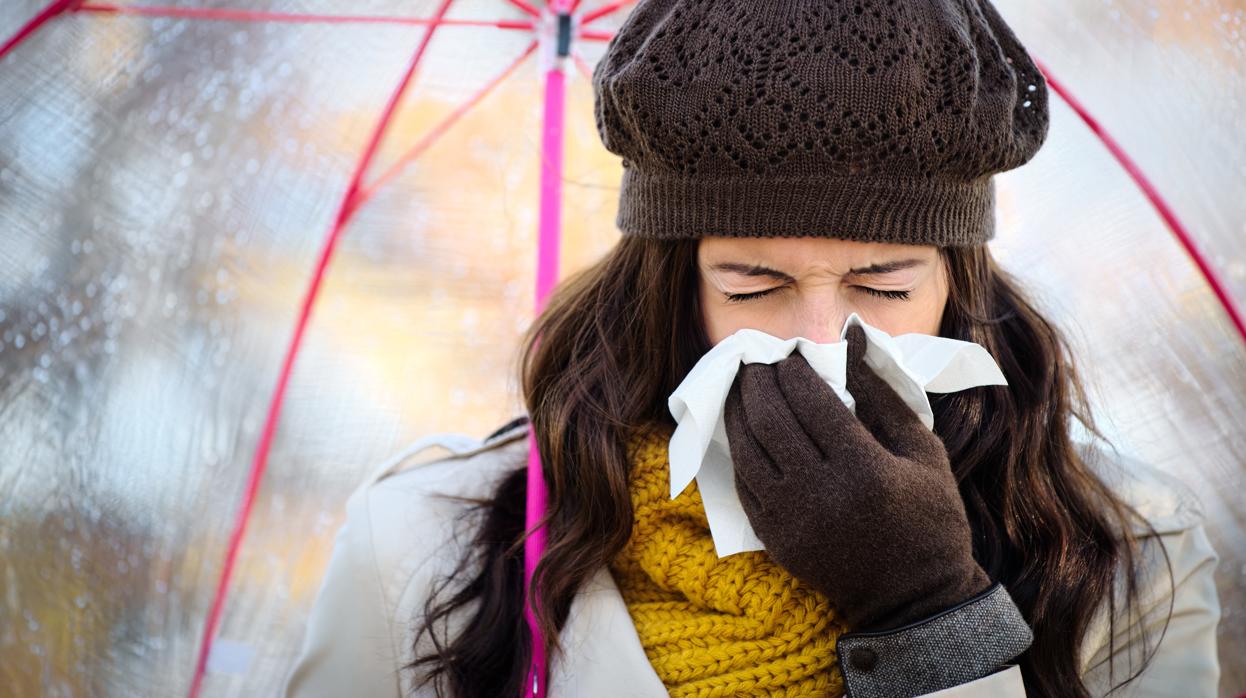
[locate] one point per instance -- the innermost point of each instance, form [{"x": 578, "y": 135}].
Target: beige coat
[{"x": 396, "y": 540}]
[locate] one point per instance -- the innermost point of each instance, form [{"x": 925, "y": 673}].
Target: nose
[
  {"x": 822, "y": 324},
  {"x": 822, "y": 334}
]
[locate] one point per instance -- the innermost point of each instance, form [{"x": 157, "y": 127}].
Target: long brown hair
[{"x": 618, "y": 337}]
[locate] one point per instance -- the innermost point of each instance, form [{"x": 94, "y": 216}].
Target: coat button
[{"x": 862, "y": 658}]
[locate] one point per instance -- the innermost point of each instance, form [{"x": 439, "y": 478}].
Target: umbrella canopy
[{"x": 248, "y": 254}]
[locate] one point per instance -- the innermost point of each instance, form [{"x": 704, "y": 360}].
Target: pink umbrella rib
[
  {"x": 274, "y": 410},
  {"x": 436, "y": 132},
  {"x": 53, "y": 9},
  {"x": 226, "y": 14},
  {"x": 1152, "y": 194},
  {"x": 593, "y": 35},
  {"x": 525, "y": 7},
  {"x": 604, "y": 10},
  {"x": 583, "y": 66},
  {"x": 236, "y": 15}
]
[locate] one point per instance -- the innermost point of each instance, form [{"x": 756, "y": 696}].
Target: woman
[{"x": 786, "y": 164}]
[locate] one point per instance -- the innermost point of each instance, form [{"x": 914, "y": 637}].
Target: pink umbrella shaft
[{"x": 546, "y": 278}]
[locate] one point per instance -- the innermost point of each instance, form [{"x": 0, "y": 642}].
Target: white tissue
[{"x": 913, "y": 364}]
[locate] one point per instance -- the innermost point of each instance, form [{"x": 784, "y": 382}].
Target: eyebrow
[{"x": 759, "y": 270}]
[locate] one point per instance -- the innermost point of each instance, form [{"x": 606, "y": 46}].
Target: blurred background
[{"x": 166, "y": 185}]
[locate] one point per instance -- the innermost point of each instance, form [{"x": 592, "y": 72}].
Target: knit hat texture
[{"x": 873, "y": 120}]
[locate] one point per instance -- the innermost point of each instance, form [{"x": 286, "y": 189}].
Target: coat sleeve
[
  {"x": 1184, "y": 661},
  {"x": 348, "y": 648},
  {"x": 957, "y": 652}
]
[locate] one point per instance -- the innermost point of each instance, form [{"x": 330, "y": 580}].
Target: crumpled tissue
[{"x": 913, "y": 364}]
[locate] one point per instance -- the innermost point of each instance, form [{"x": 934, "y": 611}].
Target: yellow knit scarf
[{"x": 740, "y": 625}]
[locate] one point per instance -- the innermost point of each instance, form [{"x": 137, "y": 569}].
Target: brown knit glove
[{"x": 863, "y": 508}]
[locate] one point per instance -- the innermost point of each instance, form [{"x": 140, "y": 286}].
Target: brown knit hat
[{"x": 877, "y": 120}]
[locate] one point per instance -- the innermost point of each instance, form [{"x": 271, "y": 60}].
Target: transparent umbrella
[{"x": 249, "y": 250}]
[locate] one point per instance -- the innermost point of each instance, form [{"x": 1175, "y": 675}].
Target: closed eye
[
  {"x": 742, "y": 297},
  {"x": 897, "y": 295}
]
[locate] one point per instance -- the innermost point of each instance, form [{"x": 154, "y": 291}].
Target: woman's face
[{"x": 806, "y": 287}]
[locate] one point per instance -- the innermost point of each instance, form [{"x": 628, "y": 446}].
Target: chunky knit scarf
[{"x": 740, "y": 625}]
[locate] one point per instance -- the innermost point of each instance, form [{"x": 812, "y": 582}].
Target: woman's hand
[{"x": 863, "y": 508}]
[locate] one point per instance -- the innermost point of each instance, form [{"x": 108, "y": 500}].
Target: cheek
[
  {"x": 781, "y": 316},
  {"x": 935, "y": 314},
  {"x": 719, "y": 321},
  {"x": 921, "y": 314},
  {"x": 935, "y": 305}
]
